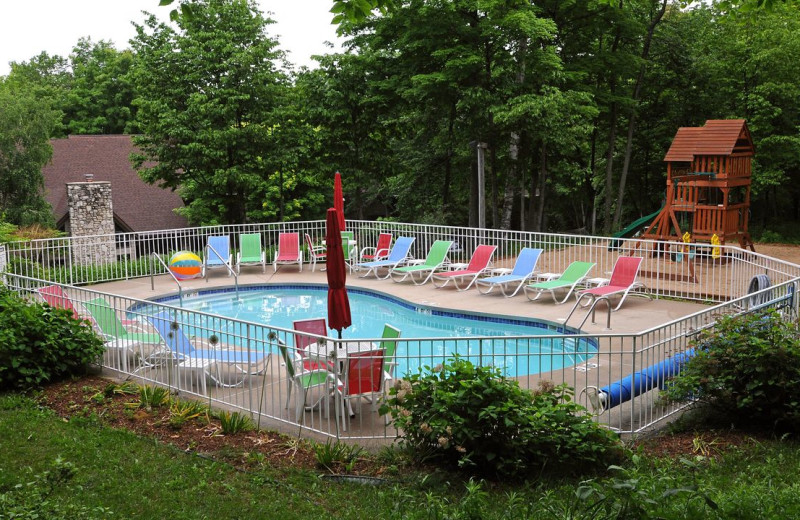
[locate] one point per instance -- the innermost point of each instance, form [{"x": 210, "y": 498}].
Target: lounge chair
[
  {"x": 118, "y": 338},
  {"x": 190, "y": 358},
  {"x": 478, "y": 265},
  {"x": 435, "y": 260},
  {"x": 379, "y": 252},
  {"x": 315, "y": 253},
  {"x": 250, "y": 252},
  {"x": 574, "y": 274},
  {"x": 288, "y": 251},
  {"x": 623, "y": 281},
  {"x": 217, "y": 253},
  {"x": 523, "y": 271},
  {"x": 398, "y": 255},
  {"x": 55, "y": 296}
]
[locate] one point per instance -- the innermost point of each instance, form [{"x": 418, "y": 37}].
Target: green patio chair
[
  {"x": 421, "y": 273},
  {"x": 569, "y": 279},
  {"x": 250, "y": 252}
]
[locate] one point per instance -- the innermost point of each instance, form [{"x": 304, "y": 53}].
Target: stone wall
[{"x": 91, "y": 216}]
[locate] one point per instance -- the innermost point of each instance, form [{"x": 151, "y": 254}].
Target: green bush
[
  {"x": 748, "y": 368},
  {"x": 39, "y": 343},
  {"x": 471, "y": 417}
]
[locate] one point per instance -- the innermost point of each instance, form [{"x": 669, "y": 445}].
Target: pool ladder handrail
[
  {"x": 166, "y": 267},
  {"x": 594, "y": 302},
  {"x": 227, "y": 266}
]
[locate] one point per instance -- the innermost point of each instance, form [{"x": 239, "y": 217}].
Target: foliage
[
  {"x": 34, "y": 499},
  {"x": 25, "y": 127},
  {"x": 40, "y": 344},
  {"x": 79, "y": 274},
  {"x": 335, "y": 455},
  {"x": 471, "y": 417},
  {"x": 152, "y": 397},
  {"x": 207, "y": 99},
  {"x": 180, "y": 412},
  {"x": 748, "y": 368},
  {"x": 234, "y": 422}
]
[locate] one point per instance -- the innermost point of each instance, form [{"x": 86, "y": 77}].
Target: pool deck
[{"x": 636, "y": 315}]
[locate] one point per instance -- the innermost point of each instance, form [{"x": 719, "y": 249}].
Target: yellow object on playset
[{"x": 715, "y": 251}]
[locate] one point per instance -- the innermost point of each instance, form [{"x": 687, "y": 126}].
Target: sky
[{"x": 28, "y": 27}]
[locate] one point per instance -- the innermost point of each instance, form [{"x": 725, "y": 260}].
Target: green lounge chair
[
  {"x": 569, "y": 279},
  {"x": 250, "y": 252},
  {"x": 120, "y": 342},
  {"x": 435, "y": 260}
]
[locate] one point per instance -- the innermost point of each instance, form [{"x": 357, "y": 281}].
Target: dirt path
[{"x": 787, "y": 252}]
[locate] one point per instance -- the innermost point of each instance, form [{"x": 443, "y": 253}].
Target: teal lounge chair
[
  {"x": 250, "y": 252},
  {"x": 574, "y": 274},
  {"x": 523, "y": 271},
  {"x": 423, "y": 272}
]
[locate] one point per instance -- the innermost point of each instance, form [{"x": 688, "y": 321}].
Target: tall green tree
[
  {"x": 25, "y": 127},
  {"x": 207, "y": 98}
]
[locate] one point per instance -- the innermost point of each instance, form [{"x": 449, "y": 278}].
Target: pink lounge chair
[
  {"x": 477, "y": 265},
  {"x": 623, "y": 280},
  {"x": 55, "y": 296},
  {"x": 288, "y": 251}
]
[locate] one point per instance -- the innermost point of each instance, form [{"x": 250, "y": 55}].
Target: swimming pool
[{"x": 507, "y": 343}]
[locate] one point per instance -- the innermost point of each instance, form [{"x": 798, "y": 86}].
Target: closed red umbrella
[
  {"x": 338, "y": 199},
  {"x": 338, "y": 303}
]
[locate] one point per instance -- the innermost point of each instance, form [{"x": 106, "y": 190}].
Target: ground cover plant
[{"x": 100, "y": 431}]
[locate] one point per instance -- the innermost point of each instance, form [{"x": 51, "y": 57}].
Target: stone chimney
[{"x": 91, "y": 216}]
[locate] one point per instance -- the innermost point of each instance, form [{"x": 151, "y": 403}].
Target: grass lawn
[{"x": 131, "y": 476}]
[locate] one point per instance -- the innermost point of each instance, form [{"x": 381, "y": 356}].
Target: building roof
[
  {"x": 717, "y": 137},
  {"x": 138, "y": 206}
]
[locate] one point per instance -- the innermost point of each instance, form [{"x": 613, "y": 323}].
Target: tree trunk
[{"x": 632, "y": 119}]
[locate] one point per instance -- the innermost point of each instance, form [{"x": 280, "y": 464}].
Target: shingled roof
[
  {"x": 717, "y": 137},
  {"x": 138, "y": 206}
]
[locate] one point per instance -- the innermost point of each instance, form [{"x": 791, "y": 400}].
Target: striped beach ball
[{"x": 185, "y": 265}]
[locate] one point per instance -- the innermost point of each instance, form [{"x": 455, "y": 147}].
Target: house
[{"x": 137, "y": 206}]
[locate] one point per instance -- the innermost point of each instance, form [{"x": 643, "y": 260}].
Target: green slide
[{"x": 635, "y": 226}]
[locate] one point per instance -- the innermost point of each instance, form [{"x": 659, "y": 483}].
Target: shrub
[
  {"x": 471, "y": 417},
  {"x": 748, "y": 368},
  {"x": 234, "y": 422},
  {"x": 39, "y": 343}
]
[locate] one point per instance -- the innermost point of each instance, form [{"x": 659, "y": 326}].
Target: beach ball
[{"x": 185, "y": 265}]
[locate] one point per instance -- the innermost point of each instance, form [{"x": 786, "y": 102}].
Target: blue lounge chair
[
  {"x": 186, "y": 355},
  {"x": 397, "y": 256},
  {"x": 523, "y": 271},
  {"x": 217, "y": 253}
]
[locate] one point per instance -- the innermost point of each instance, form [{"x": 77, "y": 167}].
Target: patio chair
[
  {"x": 302, "y": 339},
  {"x": 574, "y": 274},
  {"x": 349, "y": 249},
  {"x": 389, "y": 347},
  {"x": 437, "y": 256},
  {"x": 315, "y": 253},
  {"x": 288, "y": 251},
  {"x": 478, "y": 265},
  {"x": 363, "y": 377},
  {"x": 523, "y": 271},
  {"x": 379, "y": 252},
  {"x": 119, "y": 340},
  {"x": 304, "y": 379},
  {"x": 398, "y": 255},
  {"x": 188, "y": 357},
  {"x": 55, "y": 296},
  {"x": 217, "y": 253},
  {"x": 623, "y": 281},
  {"x": 250, "y": 252}
]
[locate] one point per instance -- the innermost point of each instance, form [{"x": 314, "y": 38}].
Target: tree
[
  {"x": 25, "y": 127},
  {"x": 207, "y": 98}
]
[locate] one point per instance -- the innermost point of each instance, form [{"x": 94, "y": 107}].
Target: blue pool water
[{"x": 500, "y": 345}]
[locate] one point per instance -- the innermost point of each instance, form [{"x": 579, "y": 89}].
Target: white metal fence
[{"x": 240, "y": 365}]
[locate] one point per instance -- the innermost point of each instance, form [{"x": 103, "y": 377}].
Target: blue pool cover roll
[{"x": 640, "y": 382}]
